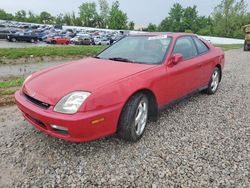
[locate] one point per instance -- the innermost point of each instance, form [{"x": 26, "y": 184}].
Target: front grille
[{"x": 36, "y": 102}]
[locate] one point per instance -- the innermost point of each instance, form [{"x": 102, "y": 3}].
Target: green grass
[
  {"x": 64, "y": 51},
  {"x": 7, "y": 92},
  {"x": 13, "y": 82},
  {"x": 227, "y": 47}
]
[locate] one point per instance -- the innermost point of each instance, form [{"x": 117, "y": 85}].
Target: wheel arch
[
  {"x": 153, "y": 104},
  {"x": 220, "y": 68}
]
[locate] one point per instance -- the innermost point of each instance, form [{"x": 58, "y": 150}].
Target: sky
[{"x": 142, "y": 12}]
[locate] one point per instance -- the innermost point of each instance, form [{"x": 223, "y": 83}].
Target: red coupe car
[
  {"x": 58, "y": 40},
  {"x": 121, "y": 88}
]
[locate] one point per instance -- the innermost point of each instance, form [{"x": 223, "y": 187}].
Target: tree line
[
  {"x": 225, "y": 21},
  {"x": 106, "y": 17}
]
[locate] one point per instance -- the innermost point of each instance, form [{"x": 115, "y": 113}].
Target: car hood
[{"x": 50, "y": 85}]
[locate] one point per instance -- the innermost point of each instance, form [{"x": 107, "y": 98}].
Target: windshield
[{"x": 139, "y": 49}]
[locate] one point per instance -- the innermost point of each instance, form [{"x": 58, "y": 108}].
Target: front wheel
[
  {"x": 133, "y": 119},
  {"x": 214, "y": 82}
]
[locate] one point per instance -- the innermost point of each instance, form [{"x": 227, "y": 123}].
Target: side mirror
[{"x": 176, "y": 58}]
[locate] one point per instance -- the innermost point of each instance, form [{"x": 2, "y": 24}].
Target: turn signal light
[{"x": 96, "y": 121}]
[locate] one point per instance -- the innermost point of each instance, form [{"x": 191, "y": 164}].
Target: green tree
[
  {"x": 205, "y": 26},
  {"x": 165, "y": 25},
  {"x": 88, "y": 14},
  {"x": 20, "y": 16},
  {"x": 228, "y": 18},
  {"x": 176, "y": 18},
  {"x": 174, "y": 22},
  {"x": 5, "y": 16},
  {"x": 104, "y": 13},
  {"x": 131, "y": 25},
  {"x": 152, "y": 27},
  {"x": 32, "y": 18},
  {"x": 59, "y": 19},
  {"x": 46, "y": 18},
  {"x": 190, "y": 19},
  {"x": 117, "y": 18},
  {"x": 76, "y": 21},
  {"x": 67, "y": 19}
]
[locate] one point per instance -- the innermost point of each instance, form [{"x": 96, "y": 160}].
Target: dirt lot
[{"x": 203, "y": 141}]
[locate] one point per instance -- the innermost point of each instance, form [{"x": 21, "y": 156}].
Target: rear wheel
[
  {"x": 133, "y": 119},
  {"x": 32, "y": 40},
  {"x": 214, "y": 81},
  {"x": 13, "y": 39}
]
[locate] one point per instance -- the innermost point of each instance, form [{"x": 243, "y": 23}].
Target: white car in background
[{"x": 101, "y": 41}]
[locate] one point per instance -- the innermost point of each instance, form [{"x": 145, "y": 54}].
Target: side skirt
[{"x": 171, "y": 104}]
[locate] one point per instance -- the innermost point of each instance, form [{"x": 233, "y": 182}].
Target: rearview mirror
[{"x": 177, "y": 58}]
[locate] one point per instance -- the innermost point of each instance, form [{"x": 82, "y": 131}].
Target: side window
[
  {"x": 186, "y": 47},
  {"x": 202, "y": 48}
]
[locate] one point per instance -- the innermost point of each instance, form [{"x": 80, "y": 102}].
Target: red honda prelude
[{"x": 121, "y": 88}]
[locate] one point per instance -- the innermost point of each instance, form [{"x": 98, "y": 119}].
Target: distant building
[{"x": 139, "y": 27}]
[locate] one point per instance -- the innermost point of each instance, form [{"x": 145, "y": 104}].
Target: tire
[
  {"x": 32, "y": 40},
  {"x": 214, "y": 82},
  {"x": 13, "y": 40},
  {"x": 246, "y": 46},
  {"x": 133, "y": 119}
]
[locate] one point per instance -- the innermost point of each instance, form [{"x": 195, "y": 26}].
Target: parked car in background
[
  {"x": 79, "y": 40},
  {"x": 4, "y": 34},
  {"x": 21, "y": 36},
  {"x": 101, "y": 41},
  {"x": 40, "y": 35},
  {"x": 105, "y": 41},
  {"x": 58, "y": 40},
  {"x": 121, "y": 88}
]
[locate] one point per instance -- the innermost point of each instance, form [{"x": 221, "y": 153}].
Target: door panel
[
  {"x": 185, "y": 76},
  {"x": 207, "y": 60}
]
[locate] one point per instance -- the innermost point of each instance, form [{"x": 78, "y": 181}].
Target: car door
[
  {"x": 185, "y": 76},
  {"x": 59, "y": 40},
  {"x": 206, "y": 59},
  {"x": 27, "y": 37},
  {"x": 21, "y": 37},
  {"x": 62, "y": 40}
]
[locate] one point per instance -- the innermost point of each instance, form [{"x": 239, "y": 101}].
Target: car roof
[{"x": 172, "y": 34}]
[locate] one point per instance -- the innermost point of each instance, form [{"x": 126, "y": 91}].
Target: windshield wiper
[{"x": 121, "y": 59}]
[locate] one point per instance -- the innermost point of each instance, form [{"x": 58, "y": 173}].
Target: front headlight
[{"x": 70, "y": 103}]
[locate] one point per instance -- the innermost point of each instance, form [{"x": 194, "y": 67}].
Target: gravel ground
[{"x": 203, "y": 141}]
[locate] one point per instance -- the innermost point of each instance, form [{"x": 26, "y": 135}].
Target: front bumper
[{"x": 79, "y": 125}]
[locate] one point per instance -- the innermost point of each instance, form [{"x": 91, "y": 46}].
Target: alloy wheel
[
  {"x": 215, "y": 80},
  {"x": 141, "y": 116}
]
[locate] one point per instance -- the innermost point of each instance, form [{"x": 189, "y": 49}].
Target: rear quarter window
[{"x": 201, "y": 46}]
